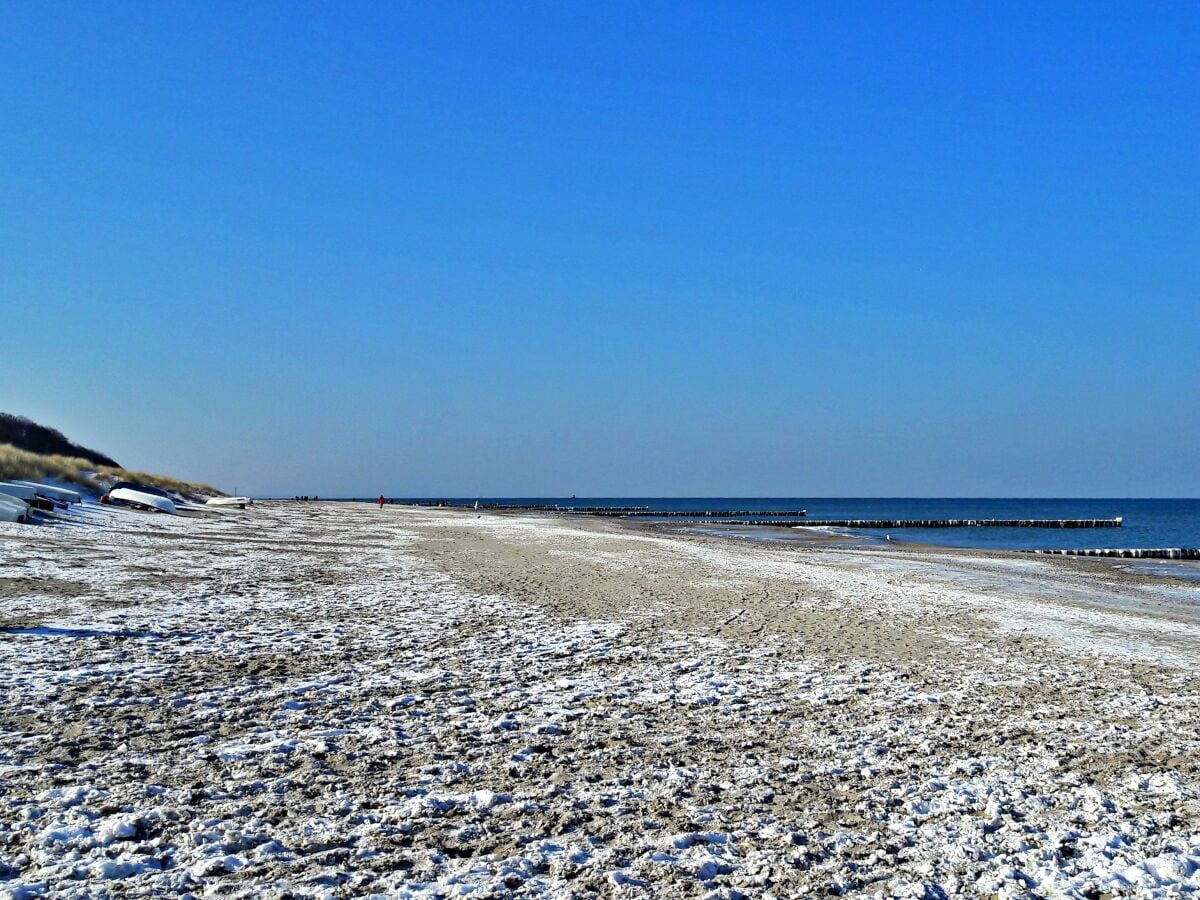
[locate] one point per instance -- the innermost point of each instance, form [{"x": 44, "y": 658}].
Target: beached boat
[
  {"x": 26, "y": 493},
  {"x": 13, "y": 509},
  {"x": 53, "y": 491},
  {"x": 11, "y": 513},
  {"x": 239, "y": 502},
  {"x": 10, "y": 500},
  {"x": 141, "y": 496},
  {"x": 18, "y": 490},
  {"x": 43, "y": 498}
]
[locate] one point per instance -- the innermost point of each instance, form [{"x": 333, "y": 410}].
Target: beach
[{"x": 333, "y": 699}]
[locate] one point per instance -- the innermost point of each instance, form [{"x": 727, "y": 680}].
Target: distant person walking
[{"x": 381, "y": 501}]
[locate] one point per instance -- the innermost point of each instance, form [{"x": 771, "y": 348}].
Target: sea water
[{"x": 1147, "y": 523}]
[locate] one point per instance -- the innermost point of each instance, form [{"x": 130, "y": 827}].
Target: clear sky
[{"x": 943, "y": 249}]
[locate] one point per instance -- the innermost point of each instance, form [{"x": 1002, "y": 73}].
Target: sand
[{"x": 338, "y": 700}]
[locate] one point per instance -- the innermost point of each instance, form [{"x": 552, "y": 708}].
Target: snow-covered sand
[{"x": 337, "y": 700}]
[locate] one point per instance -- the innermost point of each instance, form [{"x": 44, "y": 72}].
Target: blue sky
[{"x": 943, "y": 249}]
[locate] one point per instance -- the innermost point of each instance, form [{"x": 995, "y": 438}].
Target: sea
[{"x": 1147, "y": 523}]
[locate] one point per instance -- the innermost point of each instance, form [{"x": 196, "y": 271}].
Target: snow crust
[{"x": 308, "y": 706}]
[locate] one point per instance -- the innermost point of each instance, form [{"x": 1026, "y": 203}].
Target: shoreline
[
  {"x": 418, "y": 702},
  {"x": 1088, "y": 582},
  {"x": 813, "y": 539}
]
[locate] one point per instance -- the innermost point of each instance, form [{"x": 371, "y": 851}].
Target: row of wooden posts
[
  {"x": 781, "y": 518},
  {"x": 1139, "y": 553}
]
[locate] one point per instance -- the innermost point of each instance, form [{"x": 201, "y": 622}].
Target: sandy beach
[{"x": 339, "y": 700}]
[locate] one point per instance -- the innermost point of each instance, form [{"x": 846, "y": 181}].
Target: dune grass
[{"x": 16, "y": 463}]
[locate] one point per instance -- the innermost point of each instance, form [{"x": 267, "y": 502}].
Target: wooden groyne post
[{"x": 1130, "y": 553}]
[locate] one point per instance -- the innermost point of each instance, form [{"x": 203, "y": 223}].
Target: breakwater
[
  {"x": 1131, "y": 553},
  {"x": 915, "y": 523}
]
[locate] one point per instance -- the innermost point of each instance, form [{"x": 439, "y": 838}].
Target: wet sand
[{"x": 336, "y": 700}]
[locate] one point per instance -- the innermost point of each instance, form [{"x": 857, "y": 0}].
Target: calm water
[{"x": 1148, "y": 523}]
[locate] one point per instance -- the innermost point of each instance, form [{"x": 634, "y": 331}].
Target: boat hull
[
  {"x": 9, "y": 513},
  {"x": 13, "y": 509},
  {"x": 15, "y": 489},
  {"x": 142, "y": 500},
  {"x": 53, "y": 492},
  {"x": 238, "y": 502}
]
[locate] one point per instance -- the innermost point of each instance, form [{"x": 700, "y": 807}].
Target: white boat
[
  {"x": 10, "y": 500},
  {"x": 239, "y": 502},
  {"x": 141, "y": 497},
  {"x": 53, "y": 492},
  {"x": 12, "y": 509},
  {"x": 16, "y": 489}
]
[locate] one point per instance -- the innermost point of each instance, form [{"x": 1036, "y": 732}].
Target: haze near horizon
[{"x": 666, "y": 250}]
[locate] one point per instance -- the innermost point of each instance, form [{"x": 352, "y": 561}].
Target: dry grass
[{"x": 16, "y": 463}]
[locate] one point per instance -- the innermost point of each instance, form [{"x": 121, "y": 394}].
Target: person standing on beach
[{"x": 381, "y": 501}]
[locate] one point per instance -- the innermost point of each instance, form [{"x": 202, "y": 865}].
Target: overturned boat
[
  {"x": 13, "y": 509},
  {"x": 140, "y": 496},
  {"x": 27, "y": 494},
  {"x": 53, "y": 492},
  {"x": 238, "y": 502},
  {"x": 18, "y": 490}
]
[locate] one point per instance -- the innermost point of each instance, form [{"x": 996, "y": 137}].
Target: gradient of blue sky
[{"x": 619, "y": 248}]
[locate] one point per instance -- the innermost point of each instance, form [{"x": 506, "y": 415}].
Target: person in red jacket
[{"x": 381, "y": 501}]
